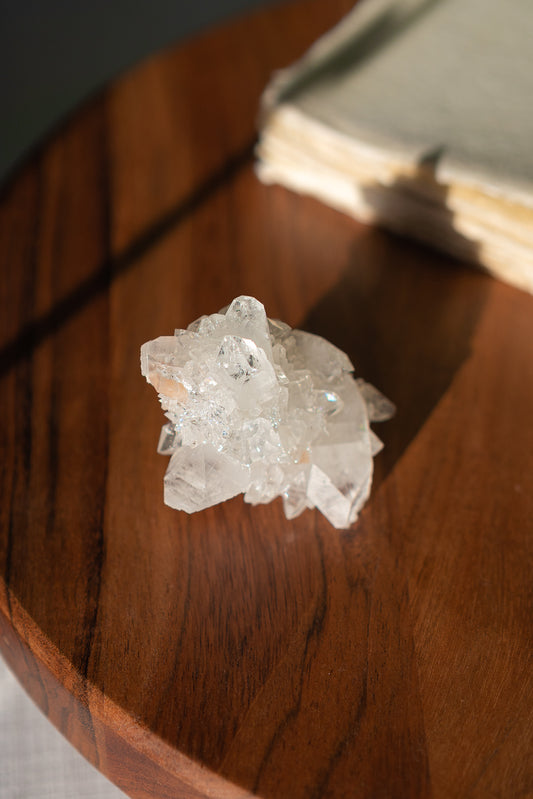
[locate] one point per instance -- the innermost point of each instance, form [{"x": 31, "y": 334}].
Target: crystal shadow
[{"x": 405, "y": 315}]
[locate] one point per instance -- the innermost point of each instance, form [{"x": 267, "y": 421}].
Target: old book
[{"x": 418, "y": 115}]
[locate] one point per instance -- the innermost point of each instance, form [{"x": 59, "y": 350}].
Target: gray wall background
[{"x": 53, "y": 53}]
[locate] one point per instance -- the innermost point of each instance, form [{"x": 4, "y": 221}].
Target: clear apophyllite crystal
[{"x": 258, "y": 408}]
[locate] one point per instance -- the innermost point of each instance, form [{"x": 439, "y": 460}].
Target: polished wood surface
[{"x": 232, "y": 653}]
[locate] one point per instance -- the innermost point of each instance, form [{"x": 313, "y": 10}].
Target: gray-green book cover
[{"x": 417, "y": 114}]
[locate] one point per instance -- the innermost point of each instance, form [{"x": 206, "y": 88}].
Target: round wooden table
[{"x": 233, "y": 653}]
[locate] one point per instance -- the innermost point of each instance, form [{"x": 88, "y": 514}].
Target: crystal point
[{"x": 258, "y": 408}]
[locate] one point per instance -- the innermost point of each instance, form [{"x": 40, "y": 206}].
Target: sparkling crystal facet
[{"x": 255, "y": 407}]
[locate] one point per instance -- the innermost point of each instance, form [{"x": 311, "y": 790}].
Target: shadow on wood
[{"x": 405, "y": 323}]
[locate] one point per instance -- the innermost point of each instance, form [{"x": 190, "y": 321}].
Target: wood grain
[{"x": 233, "y": 653}]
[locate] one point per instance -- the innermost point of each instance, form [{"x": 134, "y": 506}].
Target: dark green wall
[{"x": 53, "y": 53}]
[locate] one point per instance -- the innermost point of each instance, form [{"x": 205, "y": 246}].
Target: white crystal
[
  {"x": 258, "y": 408},
  {"x": 201, "y": 476}
]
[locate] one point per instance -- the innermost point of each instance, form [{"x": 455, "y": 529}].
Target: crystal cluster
[{"x": 259, "y": 408}]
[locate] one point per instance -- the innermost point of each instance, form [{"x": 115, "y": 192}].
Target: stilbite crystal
[{"x": 258, "y": 408}]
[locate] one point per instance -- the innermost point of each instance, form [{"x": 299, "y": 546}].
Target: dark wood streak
[
  {"x": 312, "y": 635},
  {"x": 36, "y": 331},
  {"x": 23, "y": 391},
  {"x": 20, "y": 493},
  {"x": 96, "y": 551},
  {"x": 96, "y": 555},
  {"x": 167, "y": 691},
  {"x": 345, "y": 741}
]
